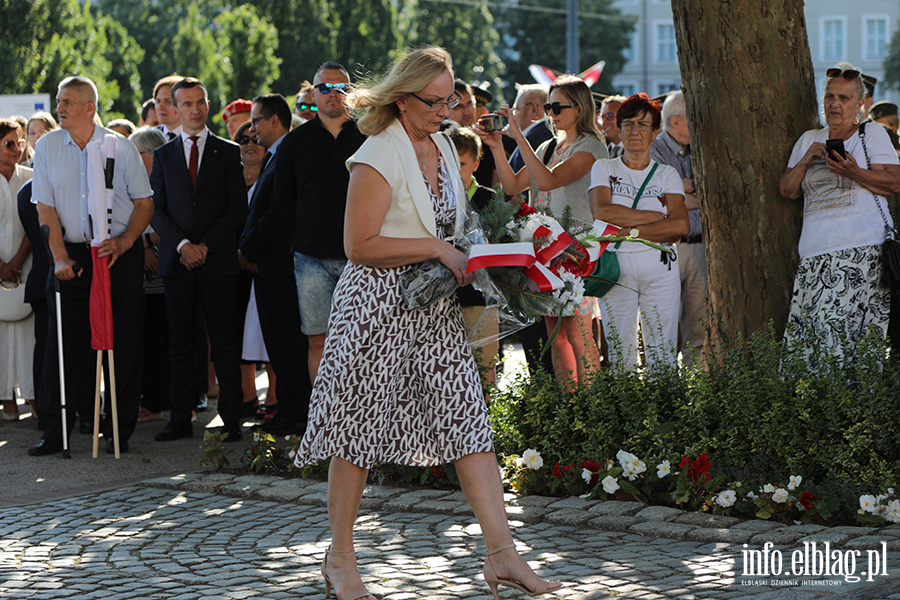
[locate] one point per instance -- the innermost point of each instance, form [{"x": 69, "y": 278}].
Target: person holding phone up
[{"x": 843, "y": 173}]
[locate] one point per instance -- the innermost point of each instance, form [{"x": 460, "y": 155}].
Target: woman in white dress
[
  {"x": 398, "y": 385},
  {"x": 16, "y": 318}
]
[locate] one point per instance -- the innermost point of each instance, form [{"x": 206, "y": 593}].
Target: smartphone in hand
[{"x": 835, "y": 146}]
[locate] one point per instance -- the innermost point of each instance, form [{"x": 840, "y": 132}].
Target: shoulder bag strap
[
  {"x": 548, "y": 153},
  {"x": 888, "y": 231},
  {"x": 641, "y": 192}
]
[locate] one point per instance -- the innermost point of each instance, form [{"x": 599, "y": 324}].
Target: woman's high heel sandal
[
  {"x": 493, "y": 581},
  {"x": 348, "y": 595}
]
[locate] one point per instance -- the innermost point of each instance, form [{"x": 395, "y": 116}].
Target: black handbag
[{"x": 890, "y": 249}]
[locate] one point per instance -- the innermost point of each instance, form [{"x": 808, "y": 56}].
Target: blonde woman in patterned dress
[
  {"x": 400, "y": 385},
  {"x": 556, "y": 182}
]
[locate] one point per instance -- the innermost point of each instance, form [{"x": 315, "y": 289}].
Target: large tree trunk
[{"x": 749, "y": 90}]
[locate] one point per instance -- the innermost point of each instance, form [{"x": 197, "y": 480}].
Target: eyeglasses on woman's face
[
  {"x": 436, "y": 105},
  {"x": 632, "y": 126},
  {"x": 557, "y": 107}
]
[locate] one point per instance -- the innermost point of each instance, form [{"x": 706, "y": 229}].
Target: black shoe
[
  {"x": 175, "y": 431},
  {"x": 202, "y": 403},
  {"x": 86, "y": 427},
  {"x": 232, "y": 432},
  {"x": 250, "y": 408},
  {"x": 45, "y": 447},
  {"x": 282, "y": 426},
  {"x": 111, "y": 448}
]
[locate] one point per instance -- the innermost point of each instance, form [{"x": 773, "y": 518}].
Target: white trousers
[
  {"x": 692, "y": 267},
  {"x": 649, "y": 292}
]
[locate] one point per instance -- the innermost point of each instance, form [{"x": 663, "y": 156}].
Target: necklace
[{"x": 424, "y": 157}]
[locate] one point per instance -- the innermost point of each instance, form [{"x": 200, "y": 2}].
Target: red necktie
[{"x": 195, "y": 159}]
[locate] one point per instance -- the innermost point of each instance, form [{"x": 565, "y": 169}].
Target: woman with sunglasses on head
[
  {"x": 16, "y": 318},
  {"x": 558, "y": 174},
  {"x": 398, "y": 385},
  {"x": 838, "y": 289},
  {"x": 645, "y": 200}
]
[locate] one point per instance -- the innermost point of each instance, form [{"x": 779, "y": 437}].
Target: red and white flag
[{"x": 101, "y": 167}]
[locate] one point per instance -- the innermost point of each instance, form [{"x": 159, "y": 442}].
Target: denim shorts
[{"x": 316, "y": 279}]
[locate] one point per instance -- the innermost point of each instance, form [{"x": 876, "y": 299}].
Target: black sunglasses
[
  {"x": 303, "y": 107},
  {"x": 557, "y": 107},
  {"x": 246, "y": 139},
  {"x": 849, "y": 74},
  {"x": 325, "y": 88}
]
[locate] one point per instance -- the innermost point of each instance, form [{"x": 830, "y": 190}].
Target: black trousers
[
  {"x": 41, "y": 328},
  {"x": 288, "y": 348},
  {"x": 126, "y": 282},
  {"x": 216, "y": 294}
]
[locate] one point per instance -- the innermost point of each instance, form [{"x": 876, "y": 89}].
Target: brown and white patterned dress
[{"x": 394, "y": 385}]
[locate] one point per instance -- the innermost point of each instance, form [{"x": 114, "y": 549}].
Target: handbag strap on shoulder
[
  {"x": 888, "y": 230},
  {"x": 641, "y": 192}
]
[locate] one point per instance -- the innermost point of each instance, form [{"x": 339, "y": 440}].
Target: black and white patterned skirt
[{"x": 837, "y": 298}]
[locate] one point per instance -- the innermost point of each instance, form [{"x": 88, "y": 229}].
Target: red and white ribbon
[
  {"x": 600, "y": 228},
  {"x": 500, "y": 255}
]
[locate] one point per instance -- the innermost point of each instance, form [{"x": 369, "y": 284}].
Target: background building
[{"x": 856, "y": 31}]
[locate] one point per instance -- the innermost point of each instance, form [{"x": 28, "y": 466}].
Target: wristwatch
[{"x": 634, "y": 232}]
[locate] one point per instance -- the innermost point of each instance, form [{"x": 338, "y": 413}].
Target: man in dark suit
[
  {"x": 265, "y": 250},
  {"x": 201, "y": 203}
]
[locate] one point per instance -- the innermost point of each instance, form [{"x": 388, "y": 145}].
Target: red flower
[
  {"x": 437, "y": 472},
  {"x": 575, "y": 260},
  {"x": 806, "y": 499},
  {"x": 525, "y": 210},
  {"x": 591, "y": 466},
  {"x": 557, "y": 471},
  {"x": 697, "y": 470},
  {"x": 567, "y": 468}
]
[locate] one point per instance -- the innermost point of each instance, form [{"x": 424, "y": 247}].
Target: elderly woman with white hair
[
  {"x": 400, "y": 385},
  {"x": 843, "y": 173}
]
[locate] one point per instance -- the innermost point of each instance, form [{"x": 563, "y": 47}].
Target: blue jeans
[{"x": 316, "y": 279}]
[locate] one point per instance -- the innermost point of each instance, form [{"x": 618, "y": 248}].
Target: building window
[
  {"x": 875, "y": 36},
  {"x": 665, "y": 88},
  {"x": 627, "y": 89},
  {"x": 631, "y": 52},
  {"x": 666, "y": 50},
  {"x": 833, "y": 38}
]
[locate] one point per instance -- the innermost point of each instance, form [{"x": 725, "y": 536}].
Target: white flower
[
  {"x": 890, "y": 491},
  {"x": 867, "y": 503},
  {"x": 663, "y": 469},
  {"x": 519, "y": 462},
  {"x": 631, "y": 465},
  {"x": 768, "y": 488},
  {"x": 751, "y": 495},
  {"x": 726, "y": 498},
  {"x": 586, "y": 496},
  {"x": 780, "y": 496},
  {"x": 609, "y": 484},
  {"x": 795, "y": 482},
  {"x": 292, "y": 454},
  {"x": 893, "y": 511},
  {"x": 586, "y": 475},
  {"x": 512, "y": 226},
  {"x": 533, "y": 459},
  {"x": 881, "y": 510}
]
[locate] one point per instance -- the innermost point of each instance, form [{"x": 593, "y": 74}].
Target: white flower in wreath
[
  {"x": 610, "y": 485},
  {"x": 533, "y": 459},
  {"x": 780, "y": 496},
  {"x": 663, "y": 469},
  {"x": 795, "y": 482},
  {"x": 768, "y": 489},
  {"x": 726, "y": 498},
  {"x": 632, "y": 466}
]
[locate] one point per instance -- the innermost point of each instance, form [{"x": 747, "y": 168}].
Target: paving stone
[
  {"x": 173, "y": 482},
  {"x": 315, "y": 499},
  {"x": 409, "y": 500},
  {"x": 538, "y": 501},
  {"x": 208, "y": 484},
  {"x": 758, "y": 525},
  {"x": 438, "y": 506},
  {"x": 659, "y": 529},
  {"x": 284, "y": 492},
  {"x": 731, "y": 536},
  {"x": 526, "y": 514},
  {"x": 659, "y": 513},
  {"x": 872, "y": 542},
  {"x": 568, "y": 516},
  {"x": 706, "y": 520},
  {"x": 572, "y": 503},
  {"x": 617, "y": 508}
]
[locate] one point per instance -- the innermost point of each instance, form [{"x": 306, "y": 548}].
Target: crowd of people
[
  {"x": 245, "y": 239},
  {"x": 286, "y": 243}
]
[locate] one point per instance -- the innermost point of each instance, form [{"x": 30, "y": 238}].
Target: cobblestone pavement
[{"x": 258, "y": 537}]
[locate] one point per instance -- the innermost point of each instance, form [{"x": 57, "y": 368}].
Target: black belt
[{"x": 694, "y": 239}]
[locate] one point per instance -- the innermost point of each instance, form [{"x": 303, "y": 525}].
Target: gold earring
[{"x": 856, "y": 120}]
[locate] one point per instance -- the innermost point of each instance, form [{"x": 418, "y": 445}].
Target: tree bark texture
[{"x": 750, "y": 94}]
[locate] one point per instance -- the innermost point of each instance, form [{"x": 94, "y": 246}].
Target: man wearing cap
[
  {"x": 482, "y": 99},
  {"x": 884, "y": 113},
  {"x": 236, "y": 114}
]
